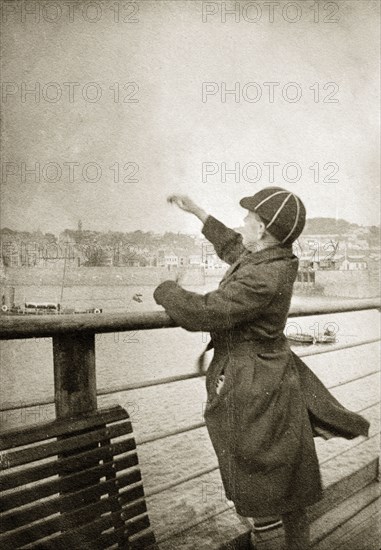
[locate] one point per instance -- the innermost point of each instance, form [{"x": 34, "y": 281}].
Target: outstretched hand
[
  {"x": 184, "y": 202},
  {"x": 188, "y": 205}
]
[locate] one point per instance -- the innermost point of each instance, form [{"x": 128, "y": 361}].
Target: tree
[{"x": 95, "y": 256}]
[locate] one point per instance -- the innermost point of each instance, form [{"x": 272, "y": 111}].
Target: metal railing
[{"x": 17, "y": 326}]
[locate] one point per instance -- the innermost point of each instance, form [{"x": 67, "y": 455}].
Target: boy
[{"x": 264, "y": 404}]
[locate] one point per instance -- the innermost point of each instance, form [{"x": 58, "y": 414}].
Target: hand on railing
[{"x": 176, "y": 275}]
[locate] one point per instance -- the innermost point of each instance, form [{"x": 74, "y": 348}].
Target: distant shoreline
[
  {"x": 100, "y": 276},
  {"x": 351, "y": 284}
]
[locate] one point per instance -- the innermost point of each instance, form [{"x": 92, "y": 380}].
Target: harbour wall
[
  {"x": 354, "y": 284},
  {"x": 94, "y": 276}
]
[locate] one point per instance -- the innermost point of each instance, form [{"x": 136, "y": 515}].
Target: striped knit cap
[{"x": 282, "y": 212}]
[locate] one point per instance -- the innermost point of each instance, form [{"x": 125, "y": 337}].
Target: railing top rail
[{"x": 17, "y": 326}]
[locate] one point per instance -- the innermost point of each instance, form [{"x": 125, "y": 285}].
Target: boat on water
[
  {"x": 45, "y": 308},
  {"x": 304, "y": 338},
  {"x": 300, "y": 338},
  {"x": 328, "y": 337}
]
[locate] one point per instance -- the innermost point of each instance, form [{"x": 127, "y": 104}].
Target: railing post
[
  {"x": 75, "y": 393},
  {"x": 75, "y": 389}
]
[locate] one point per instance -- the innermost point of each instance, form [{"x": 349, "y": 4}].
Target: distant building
[
  {"x": 353, "y": 262},
  {"x": 167, "y": 259},
  {"x": 312, "y": 263},
  {"x": 150, "y": 259},
  {"x": 212, "y": 261},
  {"x": 195, "y": 260},
  {"x": 10, "y": 253},
  {"x": 34, "y": 253},
  {"x": 133, "y": 263}
]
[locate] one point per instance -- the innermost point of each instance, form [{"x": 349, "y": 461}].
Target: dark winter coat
[{"x": 271, "y": 405}]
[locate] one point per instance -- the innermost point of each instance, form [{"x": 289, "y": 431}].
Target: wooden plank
[
  {"x": 135, "y": 525},
  {"x": 136, "y": 516},
  {"x": 116, "y": 507},
  {"x": 26, "y": 535},
  {"x": 240, "y": 543},
  {"x": 344, "y": 488},
  {"x": 38, "y": 432},
  {"x": 366, "y": 535},
  {"x": 83, "y": 534},
  {"x": 105, "y": 540},
  {"x": 105, "y": 505},
  {"x": 38, "y": 510},
  {"x": 143, "y": 540},
  {"x": 13, "y": 479},
  {"x": 70, "y": 443},
  {"x": 75, "y": 498},
  {"x": 337, "y": 528},
  {"x": 133, "y": 493},
  {"x": 226, "y": 526},
  {"x": 24, "y": 517},
  {"x": 350, "y": 461},
  {"x": 213, "y": 532}
]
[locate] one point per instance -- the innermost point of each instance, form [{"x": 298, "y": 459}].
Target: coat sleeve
[
  {"x": 241, "y": 300},
  {"x": 227, "y": 243}
]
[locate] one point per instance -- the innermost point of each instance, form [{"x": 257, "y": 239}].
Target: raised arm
[{"x": 227, "y": 243}]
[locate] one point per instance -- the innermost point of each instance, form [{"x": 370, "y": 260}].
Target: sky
[{"x": 131, "y": 107}]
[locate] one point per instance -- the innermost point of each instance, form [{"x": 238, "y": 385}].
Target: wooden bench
[{"x": 73, "y": 483}]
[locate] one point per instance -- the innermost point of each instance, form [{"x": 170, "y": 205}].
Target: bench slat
[
  {"x": 104, "y": 505},
  {"x": 31, "y": 533},
  {"x": 19, "y": 498},
  {"x": 10, "y": 480},
  {"x": 143, "y": 540},
  {"x": 31, "y": 434},
  {"x": 68, "y": 484},
  {"x": 137, "y": 524},
  {"x": 24, "y": 456},
  {"x": 104, "y": 540},
  {"x": 38, "y": 510}
]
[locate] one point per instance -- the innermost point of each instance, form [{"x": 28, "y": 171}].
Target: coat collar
[{"x": 276, "y": 252}]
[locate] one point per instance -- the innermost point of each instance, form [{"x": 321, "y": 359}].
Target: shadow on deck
[{"x": 348, "y": 517}]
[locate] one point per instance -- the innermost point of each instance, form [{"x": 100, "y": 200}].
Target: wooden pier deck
[{"x": 348, "y": 518}]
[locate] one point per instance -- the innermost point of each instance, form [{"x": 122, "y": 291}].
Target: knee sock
[{"x": 296, "y": 529}]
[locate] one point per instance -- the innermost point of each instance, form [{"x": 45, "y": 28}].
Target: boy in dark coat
[{"x": 264, "y": 404}]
